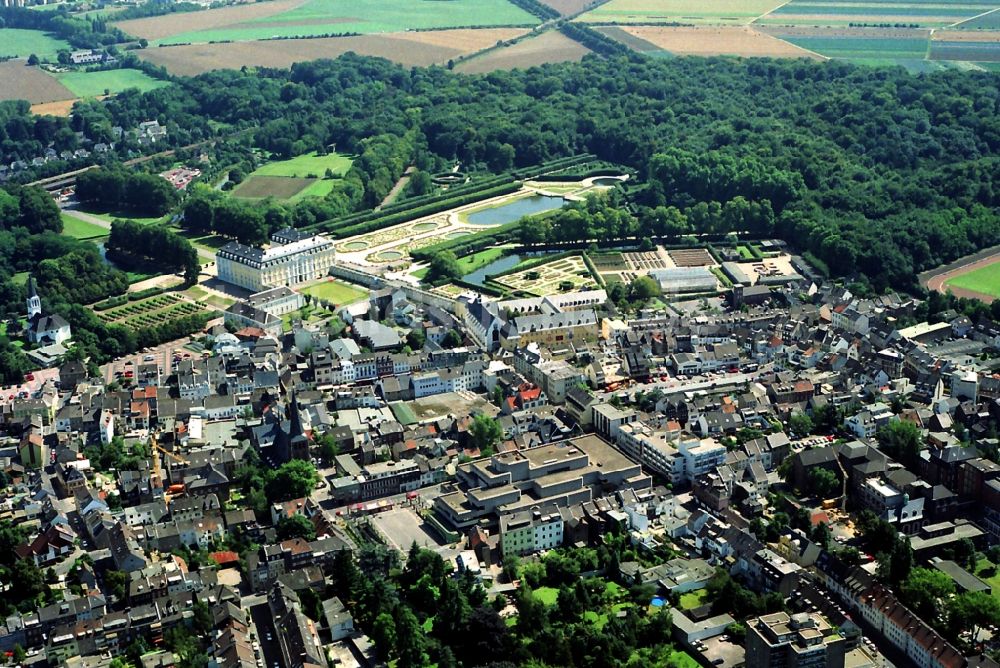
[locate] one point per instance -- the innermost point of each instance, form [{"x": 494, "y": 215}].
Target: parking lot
[
  {"x": 162, "y": 355},
  {"x": 401, "y": 527}
]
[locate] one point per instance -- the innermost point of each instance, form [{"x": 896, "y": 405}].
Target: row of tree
[{"x": 159, "y": 245}]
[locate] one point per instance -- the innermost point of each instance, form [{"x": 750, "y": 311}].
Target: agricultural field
[
  {"x": 411, "y": 48},
  {"x": 94, "y": 84},
  {"x": 930, "y": 14},
  {"x": 59, "y": 108},
  {"x": 154, "y": 28},
  {"x": 293, "y": 179},
  {"x": 326, "y": 17},
  {"x": 81, "y": 229},
  {"x": 569, "y": 7},
  {"x": 627, "y": 38},
  {"x": 969, "y": 46},
  {"x": 278, "y": 187},
  {"x": 21, "y": 82},
  {"x": 150, "y": 312},
  {"x": 309, "y": 165},
  {"x": 722, "y": 12},
  {"x": 986, "y": 21},
  {"x": 716, "y": 41},
  {"x": 564, "y": 274},
  {"x": 549, "y": 47},
  {"x": 18, "y": 43},
  {"x": 335, "y": 292}
]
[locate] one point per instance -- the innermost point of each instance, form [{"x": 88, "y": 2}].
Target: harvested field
[
  {"x": 568, "y": 7},
  {"x": 21, "y": 82},
  {"x": 404, "y": 48},
  {"x": 464, "y": 40},
  {"x": 158, "y": 27},
  {"x": 549, "y": 47},
  {"x": 715, "y": 41},
  {"x": 976, "y": 276},
  {"x": 61, "y": 108},
  {"x": 279, "y": 187},
  {"x": 988, "y": 36},
  {"x": 987, "y": 21},
  {"x": 695, "y": 257}
]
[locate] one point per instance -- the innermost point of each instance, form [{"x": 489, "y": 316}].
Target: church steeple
[{"x": 34, "y": 302}]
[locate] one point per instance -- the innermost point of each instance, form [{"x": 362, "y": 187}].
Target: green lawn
[
  {"x": 987, "y": 571},
  {"x": 22, "y": 43},
  {"x": 694, "y": 599},
  {"x": 114, "y": 215},
  {"x": 81, "y": 229},
  {"x": 324, "y": 17},
  {"x": 92, "y": 84},
  {"x": 307, "y": 165},
  {"x": 985, "y": 279},
  {"x": 20, "y": 278},
  {"x": 336, "y": 292},
  {"x": 469, "y": 263},
  {"x": 547, "y": 595}
]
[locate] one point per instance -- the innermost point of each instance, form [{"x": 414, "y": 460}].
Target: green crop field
[
  {"x": 81, "y": 229},
  {"x": 985, "y": 280},
  {"x": 863, "y": 48},
  {"x": 931, "y": 13},
  {"x": 92, "y": 84},
  {"x": 308, "y": 165},
  {"x": 326, "y": 17},
  {"x": 15, "y": 42},
  {"x": 727, "y": 12},
  {"x": 335, "y": 292}
]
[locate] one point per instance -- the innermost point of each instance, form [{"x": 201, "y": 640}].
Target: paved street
[{"x": 267, "y": 636}]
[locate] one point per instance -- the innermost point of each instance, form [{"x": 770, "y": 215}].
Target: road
[{"x": 267, "y": 635}]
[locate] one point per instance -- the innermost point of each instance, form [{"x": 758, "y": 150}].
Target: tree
[
  {"x": 820, "y": 534},
  {"x": 644, "y": 288},
  {"x": 800, "y": 424},
  {"x": 926, "y": 590},
  {"x": 895, "y": 566},
  {"x": 296, "y": 526},
  {"x": 416, "y": 339},
  {"x": 33, "y": 60},
  {"x": 972, "y": 611},
  {"x": 452, "y": 339},
  {"x": 443, "y": 266},
  {"x": 292, "y": 480},
  {"x": 902, "y": 441},
  {"x": 485, "y": 433},
  {"x": 823, "y": 482}
]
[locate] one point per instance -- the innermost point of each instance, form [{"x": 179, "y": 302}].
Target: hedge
[{"x": 421, "y": 211}]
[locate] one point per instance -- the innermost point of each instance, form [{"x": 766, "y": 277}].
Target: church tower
[{"x": 34, "y": 302}]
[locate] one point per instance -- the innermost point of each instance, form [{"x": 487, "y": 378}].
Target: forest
[{"x": 876, "y": 172}]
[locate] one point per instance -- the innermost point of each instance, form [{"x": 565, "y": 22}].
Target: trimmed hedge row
[
  {"x": 421, "y": 211},
  {"x": 412, "y": 203}
]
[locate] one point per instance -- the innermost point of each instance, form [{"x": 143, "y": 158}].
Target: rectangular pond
[{"x": 515, "y": 210}]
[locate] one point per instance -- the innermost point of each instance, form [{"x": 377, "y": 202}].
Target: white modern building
[
  {"x": 291, "y": 260},
  {"x": 529, "y": 531}
]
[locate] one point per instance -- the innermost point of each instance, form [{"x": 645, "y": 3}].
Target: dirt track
[{"x": 937, "y": 281}]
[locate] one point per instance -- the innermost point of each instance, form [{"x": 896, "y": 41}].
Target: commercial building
[
  {"x": 560, "y": 474},
  {"x": 797, "y": 641},
  {"x": 282, "y": 264}
]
